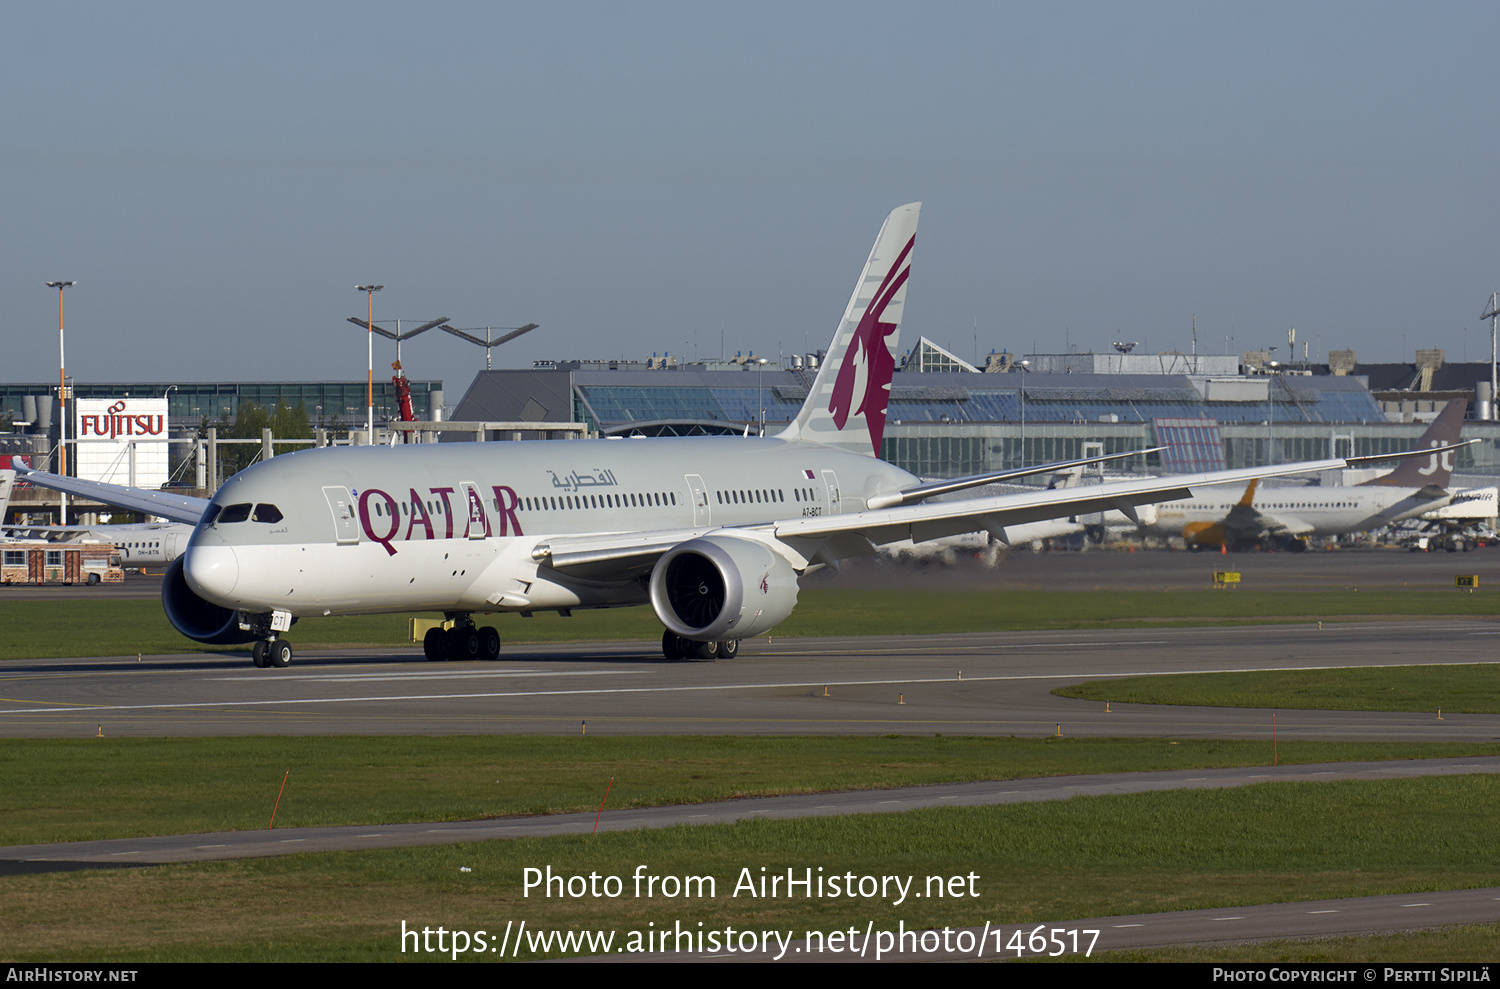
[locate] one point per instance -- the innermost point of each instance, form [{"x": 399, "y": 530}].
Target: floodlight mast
[
  {"x": 398, "y": 336},
  {"x": 487, "y": 343},
  {"x": 1491, "y": 315},
  {"x": 62, "y": 400},
  {"x": 369, "y": 291}
]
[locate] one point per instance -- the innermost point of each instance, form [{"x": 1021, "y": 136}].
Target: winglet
[{"x": 847, "y": 405}]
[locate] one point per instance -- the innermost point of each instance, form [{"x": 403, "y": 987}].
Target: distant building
[
  {"x": 960, "y": 421},
  {"x": 1131, "y": 363}
]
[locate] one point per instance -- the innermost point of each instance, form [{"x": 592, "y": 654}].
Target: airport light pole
[
  {"x": 62, "y": 399},
  {"x": 1025, "y": 367},
  {"x": 487, "y": 343},
  {"x": 369, "y": 291},
  {"x": 1271, "y": 377},
  {"x": 1491, "y": 314},
  {"x": 760, "y": 392}
]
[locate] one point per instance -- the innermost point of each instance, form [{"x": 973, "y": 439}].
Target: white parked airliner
[
  {"x": 712, "y": 532},
  {"x": 1227, "y": 517}
]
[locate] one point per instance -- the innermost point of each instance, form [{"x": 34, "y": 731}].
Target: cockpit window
[
  {"x": 266, "y": 513},
  {"x": 211, "y": 514},
  {"x": 235, "y": 513}
]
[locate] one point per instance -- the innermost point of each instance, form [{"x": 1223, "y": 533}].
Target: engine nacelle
[
  {"x": 721, "y": 587},
  {"x": 196, "y": 618}
]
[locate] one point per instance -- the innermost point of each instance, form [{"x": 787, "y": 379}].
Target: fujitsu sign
[
  {"x": 117, "y": 421},
  {"x": 121, "y": 440}
]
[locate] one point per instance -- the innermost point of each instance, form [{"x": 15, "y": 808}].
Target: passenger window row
[{"x": 559, "y": 503}]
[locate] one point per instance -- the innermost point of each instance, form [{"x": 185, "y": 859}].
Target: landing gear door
[
  {"x": 699, "y": 493},
  {"x": 341, "y": 504}
]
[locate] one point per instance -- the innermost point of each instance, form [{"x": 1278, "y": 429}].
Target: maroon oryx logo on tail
[{"x": 865, "y": 374}]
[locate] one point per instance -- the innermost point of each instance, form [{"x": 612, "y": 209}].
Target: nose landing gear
[{"x": 272, "y": 652}]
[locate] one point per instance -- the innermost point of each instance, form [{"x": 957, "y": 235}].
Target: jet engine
[
  {"x": 196, "y": 618},
  {"x": 716, "y": 588}
]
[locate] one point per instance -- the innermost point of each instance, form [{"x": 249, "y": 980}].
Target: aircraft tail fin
[
  {"x": 847, "y": 405},
  {"x": 1437, "y": 469},
  {"x": 1248, "y": 501}
]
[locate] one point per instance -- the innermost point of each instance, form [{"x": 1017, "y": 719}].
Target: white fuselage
[
  {"x": 139, "y": 544},
  {"x": 1296, "y": 511},
  {"x": 456, "y": 526}
]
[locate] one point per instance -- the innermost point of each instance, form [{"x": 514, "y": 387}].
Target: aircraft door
[
  {"x": 832, "y": 481},
  {"x": 477, "y": 522},
  {"x": 702, "y": 515},
  {"x": 341, "y": 505}
]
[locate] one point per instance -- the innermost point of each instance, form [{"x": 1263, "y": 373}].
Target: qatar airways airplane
[{"x": 712, "y": 532}]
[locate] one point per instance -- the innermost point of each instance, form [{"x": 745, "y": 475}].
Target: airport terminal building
[{"x": 947, "y": 418}]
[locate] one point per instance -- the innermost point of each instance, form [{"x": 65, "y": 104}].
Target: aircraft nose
[{"x": 211, "y": 569}]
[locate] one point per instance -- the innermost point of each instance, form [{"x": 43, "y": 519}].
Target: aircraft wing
[
  {"x": 931, "y": 521},
  {"x": 163, "y": 504},
  {"x": 828, "y": 538}
]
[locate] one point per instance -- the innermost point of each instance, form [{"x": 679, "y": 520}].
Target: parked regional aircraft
[
  {"x": 1213, "y": 517},
  {"x": 141, "y": 544},
  {"x": 712, "y": 532}
]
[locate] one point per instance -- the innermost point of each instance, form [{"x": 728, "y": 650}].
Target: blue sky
[{"x": 640, "y": 177}]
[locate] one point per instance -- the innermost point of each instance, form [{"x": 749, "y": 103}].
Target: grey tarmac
[{"x": 973, "y": 684}]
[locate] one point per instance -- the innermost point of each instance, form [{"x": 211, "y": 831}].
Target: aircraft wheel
[
  {"x": 489, "y": 643},
  {"x": 258, "y": 654},
  {"x": 279, "y": 652},
  {"x": 464, "y": 644},
  {"x": 729, "y": 648},
  {"x": 432, "y": 645},
  {"x": 704, "y": 650},
  {"x": 672, "y": 645}
]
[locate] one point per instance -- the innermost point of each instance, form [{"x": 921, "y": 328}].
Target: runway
[{"x": 981, "y": 684}]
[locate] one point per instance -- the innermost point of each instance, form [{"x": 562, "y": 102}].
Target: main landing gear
[
  {"x": 461, "y": 642},
  {"x": 674, "y": 646},
  {"x": 272, "y": 652}
]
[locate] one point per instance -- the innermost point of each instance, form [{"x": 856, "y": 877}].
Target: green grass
[
  {"x": 1463, "y": 689},
  {"x": 85, "y": 626},
  {"x": 76, "y": 789},
  {"x": 1085, "y": 857}
]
